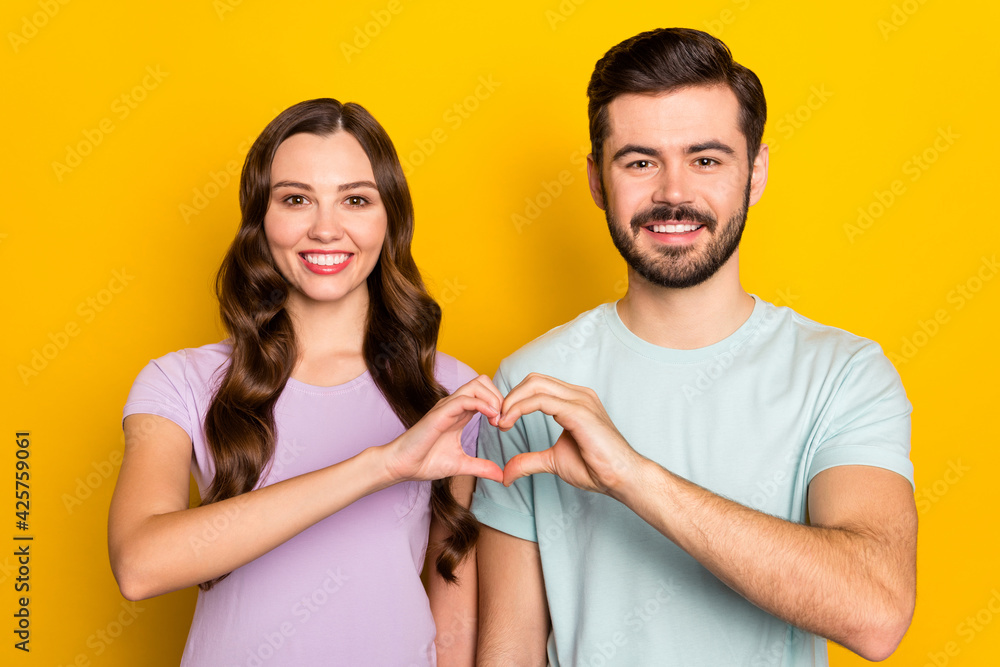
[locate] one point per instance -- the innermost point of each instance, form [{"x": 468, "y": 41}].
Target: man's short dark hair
[{"x": 663, "y": 60}]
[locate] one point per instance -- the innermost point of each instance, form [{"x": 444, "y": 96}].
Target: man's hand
[{"x": 590, "y": 453}]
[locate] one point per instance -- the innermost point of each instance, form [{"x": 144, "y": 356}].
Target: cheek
[
  {"x": 624, "y": 199},
  {"x": 734, "y": 186},
  {"x": 372, "y": 235},
  {"x": 278, "y": 233},
  {"x": 624, "y": 208},
  {"x": 725, "y": 201}
]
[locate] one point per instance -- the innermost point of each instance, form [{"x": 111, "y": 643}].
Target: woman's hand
[{"x": 432, "y": 448}]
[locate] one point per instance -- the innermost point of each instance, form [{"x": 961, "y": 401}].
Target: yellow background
[{"x": 856, "y": 90}]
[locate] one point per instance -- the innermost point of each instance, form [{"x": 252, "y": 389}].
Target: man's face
[{"x": 675, "y": 184}]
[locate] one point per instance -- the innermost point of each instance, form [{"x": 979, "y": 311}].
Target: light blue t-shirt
[{"x": 752, "y": 418}]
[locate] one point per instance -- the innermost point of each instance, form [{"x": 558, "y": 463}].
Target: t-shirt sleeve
[
  {"x": 452, "y": 374},
  {"x": 507, "y": 509},
  {"x": 869, "y": 419},
  {"x": 160, "y": 389},
  {"x": 470, "y": 436}
]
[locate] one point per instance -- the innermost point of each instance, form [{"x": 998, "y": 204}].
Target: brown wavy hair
[{"x": 400, "y": 336}]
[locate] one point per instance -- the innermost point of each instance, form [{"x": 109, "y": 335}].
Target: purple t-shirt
[{"x": 345, "y": 591}]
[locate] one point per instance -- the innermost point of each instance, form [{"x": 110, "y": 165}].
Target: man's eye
[
  {"x": 642, "y": 164},
  {"x": 705, "y": 162}
]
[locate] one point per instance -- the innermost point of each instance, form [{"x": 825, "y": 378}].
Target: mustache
[{"x": 667, "y": 213}]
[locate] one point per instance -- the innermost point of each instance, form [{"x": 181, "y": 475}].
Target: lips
[
  {"x": 683, "y": 219},
  {"x": 326, "y": 263},
  {"x": 677, "y": 233},
  {"x": 326, "y": 259},
  {"x": 673, "y": 228}
]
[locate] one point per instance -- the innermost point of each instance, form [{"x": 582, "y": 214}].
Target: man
[{"x": 729, "y": 482}]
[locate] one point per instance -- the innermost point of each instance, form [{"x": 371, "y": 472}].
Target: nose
[
  {"x": 327, "y": 225},
  {"x": 673, "y": 185}
]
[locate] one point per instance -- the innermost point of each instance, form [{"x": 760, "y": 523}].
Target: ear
[
  {"x": 759, "y": 177},
  {"x": 594, "y": 178}
]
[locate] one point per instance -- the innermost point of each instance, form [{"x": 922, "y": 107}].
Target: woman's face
[{"x": 325, "y": 221}]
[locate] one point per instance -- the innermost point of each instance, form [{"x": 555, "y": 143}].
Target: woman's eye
[
  {"x": 296, "y": 200},
  {"x": 356, "y": 201}
]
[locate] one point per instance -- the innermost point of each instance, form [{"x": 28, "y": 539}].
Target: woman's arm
[
  {"x": 157, "y": 544},
  {"x": 454, "y": 606}
]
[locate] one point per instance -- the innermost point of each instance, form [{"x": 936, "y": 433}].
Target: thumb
[
  {"x": 526, "y": 464},
  {"x": 480, "y": 468}
]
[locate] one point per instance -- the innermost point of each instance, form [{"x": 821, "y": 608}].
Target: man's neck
[{"x": 689, "y": 318}]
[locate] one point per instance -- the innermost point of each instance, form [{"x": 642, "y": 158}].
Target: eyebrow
[
  {"x": 690, "y": 150},
  {"x": 309, "y": 188},
  {"x": 712, "y": 145},
  {"x": 635, "y": 148},
  {"x": 292, "y": 184},
  {"x": 355, "y": 185}
]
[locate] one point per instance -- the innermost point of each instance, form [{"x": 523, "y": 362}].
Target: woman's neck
[{"x": 329, "y": 337}]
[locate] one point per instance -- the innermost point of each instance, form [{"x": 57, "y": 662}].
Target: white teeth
[
  {"x": 673, "y": 229},
  {"x": 326, "y": 260}
]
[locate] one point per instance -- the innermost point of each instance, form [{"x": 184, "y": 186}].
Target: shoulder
[
  {"x": 810, "y": 335},
  {"x": 179, "y": 385},
  {"x": 451, "y": 372},
  {"x": 576, "y": 342},
  {"x": 189, "y": 366},
  {"x": 826, "y": 347}
]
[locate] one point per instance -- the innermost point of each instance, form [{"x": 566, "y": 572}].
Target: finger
[
  {"x": 526, "y": 464},
  {"x": 480, "y": 468},
  {"x": 532, "y": 378},
  {"x": 460, "y": 406},
  {"x": 492, "y": 388},
  {"x": 533, "y": 381},
  {"x": 554, "y": 406},
  {"x": 482, "y": 388},
  {"x": 535, "y": 384},
  {"x": 497, "y": 398}
]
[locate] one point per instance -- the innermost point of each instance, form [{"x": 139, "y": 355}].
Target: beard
[{"x": 678, "y": 267}]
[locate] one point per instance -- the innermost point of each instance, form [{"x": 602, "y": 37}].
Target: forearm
[
  {"x": 513, "y": 610},
  {"x": 453, "y": 605},
  {"x": 173, "y": 550},
  {"x": 842, "y": 583}
]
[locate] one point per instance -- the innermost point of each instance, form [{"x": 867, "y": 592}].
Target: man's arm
[
  {"x": 850, "y": 576},
  {"x": 513, "y": 613},
  {"x": 453, "y": 605}
]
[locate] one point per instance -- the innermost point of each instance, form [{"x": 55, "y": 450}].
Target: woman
[{"x": 317, "y": 500}]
